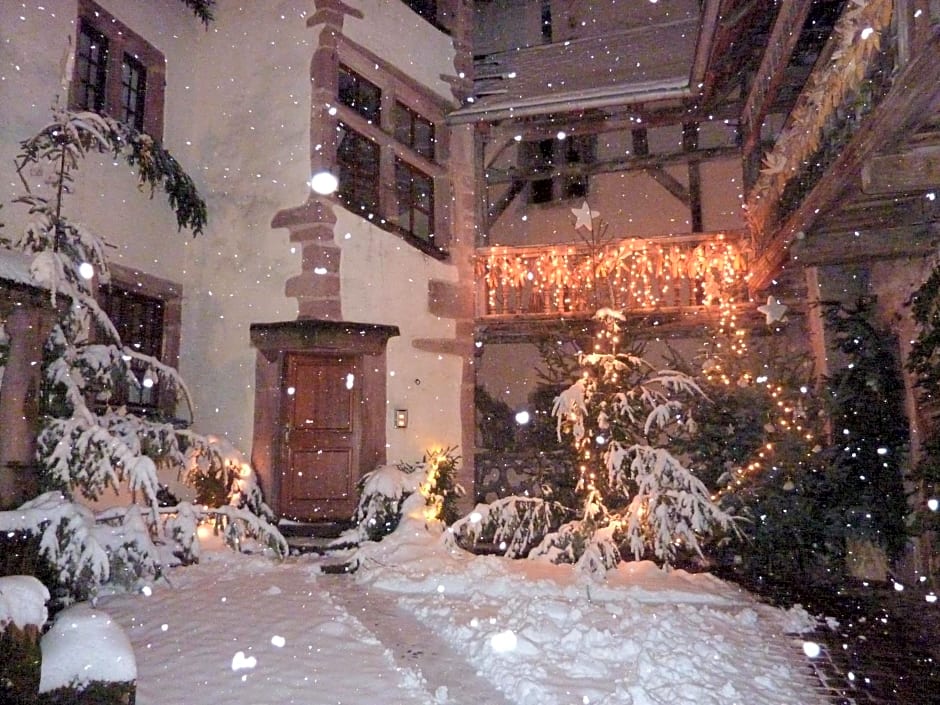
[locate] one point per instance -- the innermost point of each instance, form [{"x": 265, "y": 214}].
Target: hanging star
[
  {"x": 584, "y": 216},
  {"x": 773, "y": 310}
]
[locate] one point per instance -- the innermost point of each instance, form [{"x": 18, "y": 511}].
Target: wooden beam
[
  {"x": 671, "y": 184},
  {"x": 913, "y": 170},
  {"x": 502, "y": 203},
  {"x": 913, "y": 99},
  {"x": 783, "y": 38},
  {"x": 861, "y": 246},
  {"x": 507, "y": 176}
]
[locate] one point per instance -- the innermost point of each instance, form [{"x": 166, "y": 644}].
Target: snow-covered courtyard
[{"x": 421, "y": 623}]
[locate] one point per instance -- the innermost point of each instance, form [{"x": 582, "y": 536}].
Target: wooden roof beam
[
  {"x": 912, "y": 101},
  {"x": 770, "y": 75}
]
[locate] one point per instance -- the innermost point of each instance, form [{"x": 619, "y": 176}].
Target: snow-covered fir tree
[
  {"x": 89, "y": 443},
  {"x": 636, "y": 499}
]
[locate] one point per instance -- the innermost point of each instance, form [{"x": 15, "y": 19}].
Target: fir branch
[{"x": 202, "y": 9}]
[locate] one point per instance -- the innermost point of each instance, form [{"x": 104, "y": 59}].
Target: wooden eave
[{"x": 912, "y": 102}]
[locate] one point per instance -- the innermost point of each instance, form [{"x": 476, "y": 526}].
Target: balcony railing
[{"x": 631, "y": 275}]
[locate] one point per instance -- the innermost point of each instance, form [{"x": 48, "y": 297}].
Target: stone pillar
[
  {"x": 27, "y": 328},
  {"x": 317, "y": 287}
]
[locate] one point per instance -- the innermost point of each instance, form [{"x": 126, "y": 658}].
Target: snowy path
[
  {"x": 254, "y": 632},
  {"x": 414, "y": 644}
]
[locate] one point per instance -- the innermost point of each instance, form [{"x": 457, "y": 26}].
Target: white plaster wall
[
  {"x": 385, "y": 280},
  {"x": 398, "y": 35},
  {"x": 237, "y": 118}
]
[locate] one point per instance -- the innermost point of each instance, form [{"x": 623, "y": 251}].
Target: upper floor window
[
  {"x": 413, "y": 130},
  {"x": 388, "y": 151},
  {"x": 117, "y": 72},
  {"x": 549, "y": 160}
]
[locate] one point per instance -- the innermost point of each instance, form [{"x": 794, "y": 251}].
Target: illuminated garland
[
  {"x": 629, "y": 274},
  {"x": 857, "y": 35}
]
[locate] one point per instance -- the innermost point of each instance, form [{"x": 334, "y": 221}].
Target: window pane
[
  {"x": 361, "y": 95},
  {"x": 138, "y": 319},
  {"x": 358, "y": 160},
  {"x": 91, "y": 64},
  {"x": 413, "y": 130},
  {"x": 415, "y": 193},
  {"x": 133, "y": 92}
]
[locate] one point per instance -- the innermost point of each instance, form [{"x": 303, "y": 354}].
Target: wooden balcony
[{"x": 664, "y": 274}]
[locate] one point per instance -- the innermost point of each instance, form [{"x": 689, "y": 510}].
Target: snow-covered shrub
[
  {"x": 22, "y": 615},
  {"x": 384, "y": 492},
  {"x": 632, "y": 496},
  {"x": 86, "y": 657},
  {"x": 511, "y": 526}
]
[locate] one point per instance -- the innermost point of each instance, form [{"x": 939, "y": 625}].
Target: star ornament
[
  {"x": 773, "y": 310},
  {"x": 584, "y": 217}
]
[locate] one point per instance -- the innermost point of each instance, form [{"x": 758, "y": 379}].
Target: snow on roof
[
  {"x": 85, "y": 645},
  {"x": 14, "y": 267},
  {"x": 22, "y": 601}
]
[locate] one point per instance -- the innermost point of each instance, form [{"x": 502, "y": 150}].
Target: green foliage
[
  {"x": 202, "y": 9},
  {"x": 864, "y": 491},
  {"x": 21, "y": 665},
  {"x": 384, "y": 492},
  {"x": 494, "y": 420},
  {"x": 72, "y": 135},
  {"x": 511, "y": 526}
]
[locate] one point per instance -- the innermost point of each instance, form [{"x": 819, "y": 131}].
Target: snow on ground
[{"x": 243, "y": 629}]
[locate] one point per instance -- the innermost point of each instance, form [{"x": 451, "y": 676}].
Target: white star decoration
[
  {"x": 584, "y": 216},
  {"x": 773, "y": 310}
]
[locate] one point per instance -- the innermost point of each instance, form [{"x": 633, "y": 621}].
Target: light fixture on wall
[
  {"x": 401, "y": 418},
  {"x": 323, "y": 183}
]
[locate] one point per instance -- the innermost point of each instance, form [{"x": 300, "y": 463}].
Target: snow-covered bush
[
  {"x": 513, "y": 526},
  {"x": 384, "y": 492}
]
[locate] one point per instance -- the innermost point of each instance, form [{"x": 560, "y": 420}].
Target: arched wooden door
[{"x": 322, "y": 427}]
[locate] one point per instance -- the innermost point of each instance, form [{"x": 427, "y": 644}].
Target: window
[
  {"x": 548, "y": 159},
  {"x": 139, "y": 321},
  {"x": 415, "y": 201},
  {"x": 439, "y": 13},
  {"x": 147, "y": 315},
  {"x": 91, "y": 62},
  {"x": 388, "y": 151},
  {"x": 133, "y": 92},
  {"x": 413, "y": 130},
  {"x": 361, "y": 95},
  {"x": 358, "y": 161},
  {"x": 117, "y": 73}
]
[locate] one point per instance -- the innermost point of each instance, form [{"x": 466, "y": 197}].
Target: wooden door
[{"x": 322, "y": 436}]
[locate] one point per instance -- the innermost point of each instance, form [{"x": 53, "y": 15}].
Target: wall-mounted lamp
[{"x": 401, "y": 418}]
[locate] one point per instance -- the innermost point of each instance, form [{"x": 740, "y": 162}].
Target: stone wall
[{"x": 525, "y": 473}]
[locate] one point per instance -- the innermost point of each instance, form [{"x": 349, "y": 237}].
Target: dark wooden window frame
[
  {"x": 550, "y": 155},
  {"x": 123, "y": 44},
  {"x": 397, "y": 88}
]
